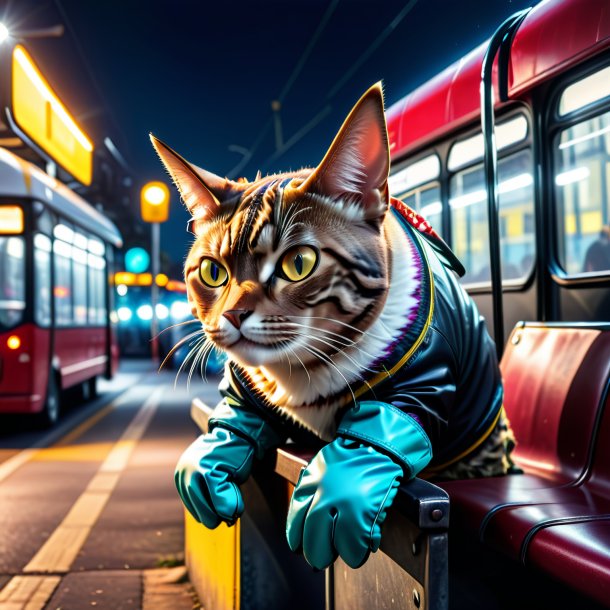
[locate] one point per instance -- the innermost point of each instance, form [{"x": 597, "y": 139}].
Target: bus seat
[
  {"x": 577, "y": 553},
  {"x": 555, "y": 377},
  {"x": 576, "y": 549}
]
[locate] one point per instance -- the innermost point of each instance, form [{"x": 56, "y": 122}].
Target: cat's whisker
[
  {"x": 177, "y": 345},
  {"x": 175, "y": 325},
  {"x": 198, "y": 350},
  {"x": 293, "y": 351},
  {"x": 349, "y": 343},
  {"x": 325, "y": 359},
  {"x": 345, "y": 324},
  {"x": 189, "y": 355},
  {"x": 340, "y": 351},
  {"x": 205, "y": 360}
]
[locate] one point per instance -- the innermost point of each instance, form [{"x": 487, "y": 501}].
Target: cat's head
[{"x": 291, "y": 267}]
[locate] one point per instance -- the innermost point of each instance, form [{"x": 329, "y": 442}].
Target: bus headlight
[
  {"x": 162, "y": 311},
  {"x": 144, "y": 312},
  {"x": 124, "y": 314},
  {"x": 180, "y": 310}
]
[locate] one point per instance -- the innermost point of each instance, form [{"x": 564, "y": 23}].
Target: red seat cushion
[
  {"x": 555, "y": 382},
  {"x": 578, "y": 554}
]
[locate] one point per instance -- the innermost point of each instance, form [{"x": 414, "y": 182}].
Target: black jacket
[{"x": 444, "y": 369}]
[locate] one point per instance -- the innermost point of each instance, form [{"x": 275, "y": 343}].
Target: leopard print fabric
[{"x": 492, "y": 458}]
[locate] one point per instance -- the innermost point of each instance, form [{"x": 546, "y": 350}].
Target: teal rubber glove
[
  {"x": 342, "y": 496},
  {"x": 209, "y": 472}
]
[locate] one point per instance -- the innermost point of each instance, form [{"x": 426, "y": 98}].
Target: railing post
[{"x": 499, "y": 41}]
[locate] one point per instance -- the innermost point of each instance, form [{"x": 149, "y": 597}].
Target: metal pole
[
  {"x": 501, "y": 37},
  {"x": 154, "y": 289}
]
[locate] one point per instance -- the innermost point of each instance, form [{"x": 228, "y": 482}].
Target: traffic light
[{"x": 154, "y": 202}]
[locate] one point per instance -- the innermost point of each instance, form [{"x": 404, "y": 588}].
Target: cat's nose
[{"x": 236, "y": 316}]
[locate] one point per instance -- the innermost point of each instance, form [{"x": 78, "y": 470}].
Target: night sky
[{"x": 202, "y": 75}]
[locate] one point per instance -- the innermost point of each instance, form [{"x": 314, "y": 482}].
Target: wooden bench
[{"x": 409, "y": 571}]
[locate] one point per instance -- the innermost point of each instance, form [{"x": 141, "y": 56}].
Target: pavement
[{"x": 89, "y": 516}]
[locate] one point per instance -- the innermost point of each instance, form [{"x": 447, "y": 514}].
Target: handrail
[{"x": 500, "y": 41}]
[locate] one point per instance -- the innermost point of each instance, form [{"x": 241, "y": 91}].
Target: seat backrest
[
  {"x": 600, "y": 470},
  {"x": 554, "y": 379}
]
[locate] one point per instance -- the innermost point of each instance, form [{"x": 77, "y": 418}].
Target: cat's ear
[
  {"x": 355, "y": 168},
  {"x": 203, "y": 193}
]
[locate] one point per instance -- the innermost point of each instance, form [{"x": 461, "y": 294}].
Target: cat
[{"x": 326, "y": 293}]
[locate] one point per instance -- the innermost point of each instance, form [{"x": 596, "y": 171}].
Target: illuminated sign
[
  {"x": 41, "y": 115},
  {"x": 11, "y": 219},
  {"x": 154, "y": 202},
  {"x": 126, "y": 278}
]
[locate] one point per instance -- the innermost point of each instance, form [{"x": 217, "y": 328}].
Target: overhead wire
[
  {"x": 249, "y": 153},
  {"x": 301, "y": 133}
]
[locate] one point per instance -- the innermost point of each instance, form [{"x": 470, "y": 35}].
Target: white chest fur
[{"x": 299, "y": 393}]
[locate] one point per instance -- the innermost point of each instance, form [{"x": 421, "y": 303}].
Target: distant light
[
  {"x": 137, "y": 260},
  {"x": 124, "y": 314},
  {"x": 155, "y": 195},
  {"x": 572, "y": 175},
  {"x": 13, "y": 342},
  {"x": 507, "y": 186},
  {"x": 180, "y": 310},
  {"x": 162, "y": 311},
  {"x": 121, "y": 290},
  {"x": 144, "y": 312},
  {"x": 436, "y": 207},
  {"x": 4, "y": 33},
  {"x": 161, "y": 280}
]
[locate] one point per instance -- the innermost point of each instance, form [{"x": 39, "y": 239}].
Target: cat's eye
[
  {"x": 298, "y": 263},
  {"x": 212, "y": 273}
]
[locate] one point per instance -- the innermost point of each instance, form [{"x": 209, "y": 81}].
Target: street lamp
[
  {"x": 154, "y": 207},
  {"x": 54, "y": 31}
]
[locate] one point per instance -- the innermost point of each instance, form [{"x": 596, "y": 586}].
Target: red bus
[
  {"x": 507, "y": 154},
  {"x": 552, "y": 139},
  {"x": 57, "y": 326}
]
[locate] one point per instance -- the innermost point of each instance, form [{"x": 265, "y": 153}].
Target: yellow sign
[
  {"x": 154, "y": 202},
  {"x": 144, "y": 279},
  {"x": 40, "y": 114},
  {"x": 11, "y": 219}
]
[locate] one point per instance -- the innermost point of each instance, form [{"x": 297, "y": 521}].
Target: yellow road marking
[
  {"x": 86, "y": 425},
  {"x": 58, "y": 553},
  {"x": 28, "y": 592},
  {"x": 87, "y": 452}
]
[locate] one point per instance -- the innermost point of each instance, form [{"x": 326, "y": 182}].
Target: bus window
[
  {"x": 426, "y": 200},
  {"x": 79, "y": 279},
  {"x": 97, "y": 290},
  {"x": 406, "y": 178},
  {"x": 416, "y": 185},
  {"x": 468, "y": 205},
  {"x": 63, "y": 283},
  {"x": 42, "y": 279},
  {"x": 585, "y": 92},
  {"x": 582, "y": 188},
  {"x": 12, "y": 286},
  {"x": 471, "y": 149}
]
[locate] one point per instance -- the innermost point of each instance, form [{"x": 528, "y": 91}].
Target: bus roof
[
  {"x": 20, "y": 178},
  {"x": 555, "y": 35}
]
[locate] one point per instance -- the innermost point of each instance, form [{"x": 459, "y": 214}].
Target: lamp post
[{"x": 154, "y": 206}]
